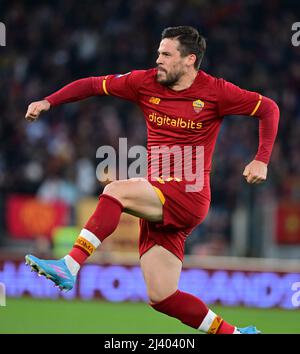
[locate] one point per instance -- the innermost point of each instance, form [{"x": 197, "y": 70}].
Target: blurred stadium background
[{"x": 243, "y": 260}]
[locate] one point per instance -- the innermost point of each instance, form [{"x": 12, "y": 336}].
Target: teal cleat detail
[
  {"x": 57, "y": 271},
  {"x": 249, "y": 330}
]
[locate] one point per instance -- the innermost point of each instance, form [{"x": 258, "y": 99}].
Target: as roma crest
[{"x": 198, "y": 106}]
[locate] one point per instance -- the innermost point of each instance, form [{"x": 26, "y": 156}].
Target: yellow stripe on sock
[
  {"x": 104, "y": 85},
  {"x": 85, "y": 244},
  {"x": 257, "y": 106},
  {"x": 213, "y": 329},
  {"x": 160, "y": 195}
]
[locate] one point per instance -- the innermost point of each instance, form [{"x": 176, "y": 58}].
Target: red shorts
[{"x": 182, "y": 212}]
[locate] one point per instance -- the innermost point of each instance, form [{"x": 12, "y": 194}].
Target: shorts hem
[{"x": 159, "y": 244}]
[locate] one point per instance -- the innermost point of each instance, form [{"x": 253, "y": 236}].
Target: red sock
[
  {"x": 106, "y": 217},
  {"x": 101, "y": 224},
  {"x": 190, "y": 310},
  {"x": 185, "y": 307}
]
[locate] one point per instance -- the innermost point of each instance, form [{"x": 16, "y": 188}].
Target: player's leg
[
  {"x": 138, "y": 197},
  {"x": 135, "y": 196},
  {"x": 161, "y": 270}
]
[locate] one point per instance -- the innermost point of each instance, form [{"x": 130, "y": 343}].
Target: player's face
[{"x": 170, "y": 65}]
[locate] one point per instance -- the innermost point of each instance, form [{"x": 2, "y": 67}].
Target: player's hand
[
  {"x": 35, "y": 109},
  {"x": 255, "y": 172}
]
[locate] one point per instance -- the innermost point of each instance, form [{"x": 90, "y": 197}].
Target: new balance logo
[{"x": 154, "y": 100}]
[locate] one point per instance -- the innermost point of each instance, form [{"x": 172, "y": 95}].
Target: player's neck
[{"x": 185, "y": 81}]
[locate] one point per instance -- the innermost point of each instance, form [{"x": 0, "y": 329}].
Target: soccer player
[{"x": 183, "y": 107}]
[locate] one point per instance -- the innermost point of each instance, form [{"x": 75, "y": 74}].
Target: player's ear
[{"x": 192, "y": 59}]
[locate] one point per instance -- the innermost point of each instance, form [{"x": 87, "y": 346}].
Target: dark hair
[{"x": 191, "y": 42}]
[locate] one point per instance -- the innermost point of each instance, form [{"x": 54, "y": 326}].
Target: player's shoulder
[
  {"x": 220, "y": 86},
  {"x": 206, "y": 84},
  {"x": 141, "y": 73},
  {"x": 147, "y": 80},
  {"x": 149, "y": 75},
  {"x": 209, "y": 80},
  {"x": 140, "y": 76}
]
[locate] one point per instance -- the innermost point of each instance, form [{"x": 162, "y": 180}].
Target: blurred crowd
[{"x": 51, "y": 43}]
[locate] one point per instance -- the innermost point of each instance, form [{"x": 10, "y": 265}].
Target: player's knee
[
  {"x": 114, "y": 189},
  {"x": 123, "y": 190},
  {"x": 157, "y": 295},
  {"x": 119, "y": 190}
]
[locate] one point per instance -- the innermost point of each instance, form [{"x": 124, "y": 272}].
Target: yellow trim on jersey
[
  {"x": 104, "y": 85},
  {"x": 213, "y": 329},
  {"x": 160, "y": 195},
  {"x": 257, "y": 105}
]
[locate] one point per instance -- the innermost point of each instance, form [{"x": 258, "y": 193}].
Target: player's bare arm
[{"x": 35, "y": 109}]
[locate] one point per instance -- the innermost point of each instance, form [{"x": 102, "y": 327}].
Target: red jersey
[
  {"x": 190, "y": 117},
  {"x": 183, "y": 121}
]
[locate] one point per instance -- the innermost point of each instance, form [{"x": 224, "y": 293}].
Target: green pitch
[{"x": 61, "y": 316}]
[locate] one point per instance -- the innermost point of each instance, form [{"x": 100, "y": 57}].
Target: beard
[{"x": 170, "y": 79}]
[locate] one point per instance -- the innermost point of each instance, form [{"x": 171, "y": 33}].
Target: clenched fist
[
  {"x": 35, "y": 109},
  {"x": 255, "y": 172}
]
